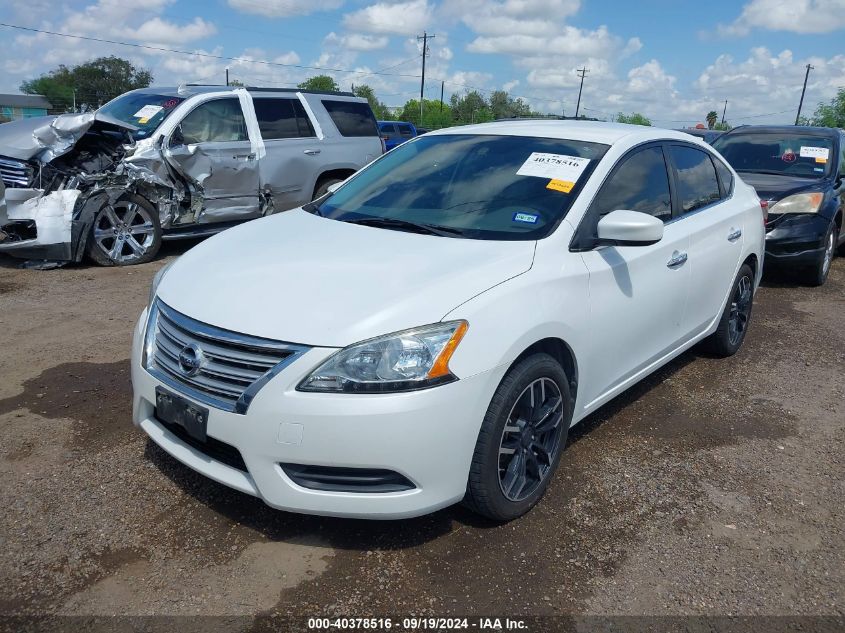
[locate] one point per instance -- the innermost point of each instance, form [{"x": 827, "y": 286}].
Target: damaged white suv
[{"x": 168, "y": 163}]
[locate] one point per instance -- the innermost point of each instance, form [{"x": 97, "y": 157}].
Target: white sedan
[{"x": 429, "y": 331}]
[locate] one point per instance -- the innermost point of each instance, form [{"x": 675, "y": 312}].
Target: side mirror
[
  {"x": 176, "y": 137},
  {"x": 334, "y": 186},
  {"x": 629, "y": 228}
]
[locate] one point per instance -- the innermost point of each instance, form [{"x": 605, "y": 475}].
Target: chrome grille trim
[
  {"x": 14, "y": 173},
  {"x": 235, "y": 367}
]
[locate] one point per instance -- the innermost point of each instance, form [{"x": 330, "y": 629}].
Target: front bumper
[
  {"x": 38, "y": 225},
  {"x": 427, "y": 436},
  {"x": 796, "y": 239}
]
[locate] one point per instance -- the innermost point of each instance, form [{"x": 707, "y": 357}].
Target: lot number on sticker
[
  {"x": 147, "y": 112},
  {"x": 815, "y": 152},
  {"x": 554, "y": 167}
]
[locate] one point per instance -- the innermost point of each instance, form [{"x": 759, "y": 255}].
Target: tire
[
  {"x": 736, "y": 317},
  {"x": 491, "y": 487},
  {"x": 323, "y": 187},
  {"x": 817, "y": 274},
  {"x": 125, "y": 233}
]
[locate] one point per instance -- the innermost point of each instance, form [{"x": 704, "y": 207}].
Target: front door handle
[
  {"x": 677, "y": 260},
  {"x": 311, "y": 152},
  {"x": 734, "y": 235}
]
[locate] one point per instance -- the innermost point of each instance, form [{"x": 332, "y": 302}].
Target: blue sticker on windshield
[
  {"x": 527, "y": 218},
  {"x": 818, "y": 169}
]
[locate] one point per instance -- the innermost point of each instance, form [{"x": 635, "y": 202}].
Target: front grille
[
  {"x": 213, "y": 448},
  {"x": 228, "y": 368},
  {"x": 15, "y": 173},
  {"x": 336, "y": 479}
]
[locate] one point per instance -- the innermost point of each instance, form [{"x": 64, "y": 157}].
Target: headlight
[
  {"x": 799, "y": 203},
  {"x": 404, "y": 361},
  {"x": 156, "y": 281}
]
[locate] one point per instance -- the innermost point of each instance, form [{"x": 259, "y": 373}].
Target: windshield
[
  {"x": 144, "y": 111},
  {"x": 777, "y": 153},
  {"x": 474, "y": 186}
]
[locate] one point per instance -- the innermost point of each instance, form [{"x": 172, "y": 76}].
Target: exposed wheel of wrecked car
[
  {"x": 323, "y": 188},
  {"x": 125, "y": 233}
]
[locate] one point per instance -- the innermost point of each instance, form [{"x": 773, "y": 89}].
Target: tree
[
  {"x": 711, "y": 119},
  {"x": 831, "y": 114},
  {"x": 470, "y": 108},
  {"x": 321, "y": 83},
  {"x": 433, "y": 117},
  {"x": 236, "y": 83},
  {"x": 635, "y": 118},
  {"x": 379, "y": 109},
  {"x": 722, "y": 126},
  {"x": 94, "y": 83},
  {"x": 503, "y": 106}
]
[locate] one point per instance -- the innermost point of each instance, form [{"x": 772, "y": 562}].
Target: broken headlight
[{"x": 404, "y": 361}]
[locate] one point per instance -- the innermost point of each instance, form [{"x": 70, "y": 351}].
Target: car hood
[
  {"x": 48, "y": 137},
  {"x": 770, "y": 187},
  {"x": 305, "y": 279}
]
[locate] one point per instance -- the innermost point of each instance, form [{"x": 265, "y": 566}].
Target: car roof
[
  {"x": 187, "y": 90},
  {"x": 590, "y": 131},
  {"x": 388, "y": 121}
]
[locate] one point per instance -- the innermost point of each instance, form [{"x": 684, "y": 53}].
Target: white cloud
[
  {"x": 650, "y": 79},
  {"x": 163, "y": 32},
  {"x": 357, "y": 41},
  {"x": 284, "y": 8},
  {"x": 796, "y": 16},
  {"x": 402, "y": 18}
]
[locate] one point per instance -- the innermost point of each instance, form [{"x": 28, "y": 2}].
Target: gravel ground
[{"x": 715, "y": 487}]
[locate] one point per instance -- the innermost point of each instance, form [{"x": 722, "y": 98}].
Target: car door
[
  {"x": 211, "y": 148},
  {"x": 292, "y": 158},
  {"x": 714, "y": 223},
  {"x": 637, "y": 293}
]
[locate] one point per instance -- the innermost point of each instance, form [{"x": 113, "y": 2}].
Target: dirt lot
[{"x": 715, "y": 487}]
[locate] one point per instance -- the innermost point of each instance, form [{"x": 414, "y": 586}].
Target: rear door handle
[
  {"x": 734, "y": 235},
  {"x": 311, "y": 152},
  {"x": 677, "y": 260},
  {"x": 244, "y": 156}
]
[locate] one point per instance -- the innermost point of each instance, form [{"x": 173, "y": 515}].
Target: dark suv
[{"x": 800, "y": 172}]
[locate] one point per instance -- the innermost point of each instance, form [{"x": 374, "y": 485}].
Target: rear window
[
  {"x": 405, "y": 130},
  {"x": 352, "y": 118},
  {"x": 282, "y": 118}
]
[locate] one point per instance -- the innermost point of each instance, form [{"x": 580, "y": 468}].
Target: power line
[{"x": 203, "y": 55}]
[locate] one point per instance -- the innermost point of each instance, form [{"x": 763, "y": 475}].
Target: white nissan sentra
[{"x": 429, "y": 331}]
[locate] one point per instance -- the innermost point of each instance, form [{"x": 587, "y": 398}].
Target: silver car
[{"x": 169, "y": 163}]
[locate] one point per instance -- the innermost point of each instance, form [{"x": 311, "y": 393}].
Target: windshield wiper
[{"x": 407, "y": 225}]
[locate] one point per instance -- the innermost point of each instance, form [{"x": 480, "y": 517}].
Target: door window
[
  {"x": 640, "y": 183},
  {"x": 388, "y": 130},
  {"x": 405, "y": 130},
  {"x": 697, "y": 183},
  {"x": 220, "y": 120},
  {"x": 282, "y": 118},
  {"x": 725, "y": 176}
]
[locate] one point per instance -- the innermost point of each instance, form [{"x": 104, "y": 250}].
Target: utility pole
[
  {"x": 227, "y": 75},
  {"x": 425, "y": 37},
  {"x": 803, "y": 90},
  {"x": 581, "y": 72},
  {"x": 725, "y": 109},
  {"x": 442, "y": 86}
]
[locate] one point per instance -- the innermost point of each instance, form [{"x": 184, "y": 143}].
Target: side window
[
  {"x": 697, "y": 184},
  {"x": 280, "y": 118},
  {"x": 405, "y": 130},
  {"x": 388, "y": 130},
  {"x": 640, "y": 183},
  {"x": 352, "y": 118},
  {"x": 725, "y": 176},
  {"x": 215, "y": 121}
]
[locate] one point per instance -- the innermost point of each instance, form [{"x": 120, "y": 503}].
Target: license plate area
[{"x": 173, "y": 409}]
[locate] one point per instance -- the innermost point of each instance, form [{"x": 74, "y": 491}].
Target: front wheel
[
  {"x": 735, "y": 319},
  {"x": 521, "y": 439},
  {"x": 817, "y": 274},
  {"x": 125, "y": 233}
]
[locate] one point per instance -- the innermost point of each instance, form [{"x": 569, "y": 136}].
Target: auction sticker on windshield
[
  {"x": 821, "y": 154},
  {"x": 147, "y": 112},
  {"x": 563, "y": 171}
]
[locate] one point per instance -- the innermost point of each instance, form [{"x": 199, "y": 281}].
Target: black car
[
  {"x": 708, "y": 135},
  {"x": 800, "y": 172}
]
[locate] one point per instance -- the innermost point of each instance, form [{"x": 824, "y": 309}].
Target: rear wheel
[
  {"x": 322, "y": 187},
  {"x": 124, "y": 233},
  {"x": 733, "y": 325},
  {"x": 817, "y": 274},
  {"x": 521, "y": 439}
]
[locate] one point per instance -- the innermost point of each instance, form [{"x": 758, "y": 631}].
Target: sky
[{"x": 672, "y": 61}]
